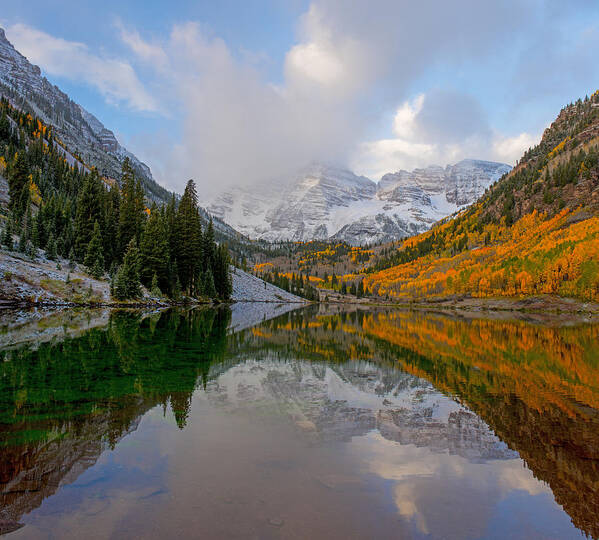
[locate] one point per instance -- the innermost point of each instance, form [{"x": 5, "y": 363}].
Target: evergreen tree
[
  {"x": 222, "y": 274},
  {"x": 189, "y": 240},
  {"x": 51, "y": 248},
  {"x": 170, "y": 223},
  {"x": 110, "y": 232},
  {"x": 155, "y": 289},
  {"x": 131, "y": 207},
  {"x": 208, "y": 284},
  {"x": 94, "y": 257},
  {"x": 89, "y": 210},
  {"x": 126, "y": 282},
  {"x": 154, "y": 251},
  {"x": 209, "y": 247},
  {"x": 72, "y": 259},
  {"x": 5, "y": 130},
  {"x": 25, "y": 232},
  {"x": 18, "y": 184},
  {"x": 35, "y": 231},
  {"x": 30, "y": 250},
  {"x": 360, "y": 289},
  {"x": 7, "y": 236}
]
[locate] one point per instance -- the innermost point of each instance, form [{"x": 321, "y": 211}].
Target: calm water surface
[{"x": 312, "y": 424}]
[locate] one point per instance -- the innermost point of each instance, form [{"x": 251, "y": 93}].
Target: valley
[
  {"x": 287, "y": 270},
  {"x": 460, "y": 234}
]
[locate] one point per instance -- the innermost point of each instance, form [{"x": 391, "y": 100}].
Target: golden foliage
[{"x": 536, "y": 255}]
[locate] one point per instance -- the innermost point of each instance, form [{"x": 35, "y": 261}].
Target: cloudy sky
[{"x": 234, "y": 91}]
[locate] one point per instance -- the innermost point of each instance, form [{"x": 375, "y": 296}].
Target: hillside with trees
[
  {"x": 67, "y": 210},
  {"x": 534, "y": 232}
]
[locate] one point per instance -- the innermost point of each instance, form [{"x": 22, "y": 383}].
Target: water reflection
[{"x": 348, "y": 424}]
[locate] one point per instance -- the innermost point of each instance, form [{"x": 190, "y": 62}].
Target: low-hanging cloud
[
  {"x": 238, "y": 128},
  {"x": 351, "y": 65}
]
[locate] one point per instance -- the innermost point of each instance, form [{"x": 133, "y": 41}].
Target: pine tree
[
  {"x": 154, "y": 251},
  {"x": 222, "y": 273},
  {"x": 131, "y": 213},
  {"x": 209, "y": 247},
  {"x": 360, "y": 289},
  {"x": 155, "y": 289},
  {"x": 18, "y": 184},
  {"x": 51, "y": 248},
  {"x": 208, "y": 284},
  {"x": 35, "y": 231},
  {"x": 189, "y": 240},
  {"x": 89, "y": 210},
  {"x": 5, "y": 130},
  {"x": 7, "y": 236},
  {"x": 94, "y": 257},
  {"x": 177, "y": 289},
  {"x": 25, "y": 232},
  {"x": 126, "y": 282},
  {"x": 110, "y": 232},
  {"x": 72, "y": 259}
]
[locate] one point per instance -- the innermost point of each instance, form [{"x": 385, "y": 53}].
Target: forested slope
[{"x": 535, "y": 231}]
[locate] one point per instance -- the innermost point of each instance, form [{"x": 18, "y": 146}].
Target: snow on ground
[
  {"x": 25, "y": 280},
  {"x": 248, "y": 288}
]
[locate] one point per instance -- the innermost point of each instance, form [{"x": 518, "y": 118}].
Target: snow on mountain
[
  {"x": 303, "y": 207},
  {"x": 328, "y": 202},
  {"x": 23, "y": 84}
]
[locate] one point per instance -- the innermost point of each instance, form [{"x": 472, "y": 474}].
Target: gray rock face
[
  {"x": 328, "y": 202},
  {"x": 23, "y": 84},
  {"x": 460, "y": 184}
]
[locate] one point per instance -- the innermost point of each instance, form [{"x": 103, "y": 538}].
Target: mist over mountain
[{"x": 325, "y": 201}]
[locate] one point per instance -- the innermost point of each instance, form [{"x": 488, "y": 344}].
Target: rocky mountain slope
[
  {"x": 25, "y": 86},
  {"x": 327, "y": 202}
]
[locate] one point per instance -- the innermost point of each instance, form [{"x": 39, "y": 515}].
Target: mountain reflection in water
[{"x": 353, "y": 424}]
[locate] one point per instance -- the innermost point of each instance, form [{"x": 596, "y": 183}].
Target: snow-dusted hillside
[
  {"x": 248, "y": 288},
  {"x": 328, "y": 202}
]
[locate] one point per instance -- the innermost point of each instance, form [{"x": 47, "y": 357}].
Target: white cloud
[
  {"x": 148, "y": 52},
  {"x": 236, "y": 127},
  {"x": 405, "y": 117},
  {"x": 351, "y": 64},
  {"x": 115, "y": 79},
  {"x": 439, "y": 128},
  {"x": 239, "y": 128}
]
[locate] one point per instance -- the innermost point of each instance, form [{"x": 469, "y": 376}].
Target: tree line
[{"x": 69, "y": 211}]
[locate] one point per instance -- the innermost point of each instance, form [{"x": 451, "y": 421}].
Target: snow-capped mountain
[
  {"x": 327, "y": 202},
  {"x": 23, "y": 84}
]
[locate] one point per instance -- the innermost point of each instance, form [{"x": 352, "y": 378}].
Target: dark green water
[{"x": 313, "y": 424}]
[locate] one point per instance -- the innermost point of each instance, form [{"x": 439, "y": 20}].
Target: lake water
[{"x": 312, "y": 424}]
